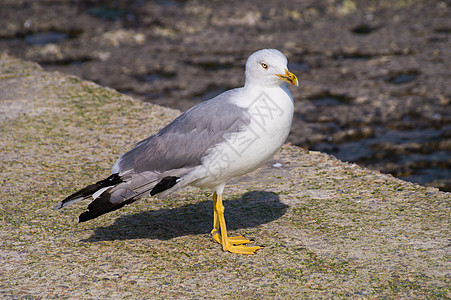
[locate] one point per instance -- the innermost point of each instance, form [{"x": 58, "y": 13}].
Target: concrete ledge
[{"x": 331, "y": 229}]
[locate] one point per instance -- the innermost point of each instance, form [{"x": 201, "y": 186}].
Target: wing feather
[{"x": 185, "y": 141}]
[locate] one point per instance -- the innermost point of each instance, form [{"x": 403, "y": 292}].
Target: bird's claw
[{"x": 234, "y": 244}]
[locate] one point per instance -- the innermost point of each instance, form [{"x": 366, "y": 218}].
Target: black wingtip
[
  {"x": 92, "y": 214},
  {"x": 100, "y": 206},
  {"x": 84, "y": 217},
  {"x": 89, "y": 190},
  {"x": 164, "y": 184}
]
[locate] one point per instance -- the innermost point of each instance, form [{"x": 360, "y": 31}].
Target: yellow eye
[{"x": 264, "y": 66}]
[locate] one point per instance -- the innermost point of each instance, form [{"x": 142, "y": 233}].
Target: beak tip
[{"x": 289, "y": 77}]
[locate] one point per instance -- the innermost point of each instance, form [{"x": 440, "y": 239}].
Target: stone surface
[{"x": 330, "y": 229}]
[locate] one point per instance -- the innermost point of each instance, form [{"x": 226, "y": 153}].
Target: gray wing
[
  {"x": 155, "y": 164},
  {"x": 185, "y": 141}
]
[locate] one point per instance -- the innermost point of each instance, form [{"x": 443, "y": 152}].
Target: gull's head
[{"x": 268, "y": 67}]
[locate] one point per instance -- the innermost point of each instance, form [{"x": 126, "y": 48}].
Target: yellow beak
[{"x": 289, "y": 77}]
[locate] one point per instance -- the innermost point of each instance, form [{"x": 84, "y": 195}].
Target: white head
[{"x": 268, "y": 67}]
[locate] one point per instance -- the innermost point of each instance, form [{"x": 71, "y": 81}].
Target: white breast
[{"x": 271, "y": 112}]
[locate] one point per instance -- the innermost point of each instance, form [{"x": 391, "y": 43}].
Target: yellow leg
[
  {"x": 215, "y": 230},
  {"x": 231, "y": 244}
]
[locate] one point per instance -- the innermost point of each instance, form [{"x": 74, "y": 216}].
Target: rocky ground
[{"x": 375, "y": 75}]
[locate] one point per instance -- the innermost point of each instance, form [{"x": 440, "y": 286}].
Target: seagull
[{"x": 229, "y": 135}]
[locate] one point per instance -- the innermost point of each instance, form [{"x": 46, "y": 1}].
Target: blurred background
[{"x": 375, "y": 76}]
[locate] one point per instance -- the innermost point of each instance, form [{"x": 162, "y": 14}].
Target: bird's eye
[{"x": 264, "y": 66}]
